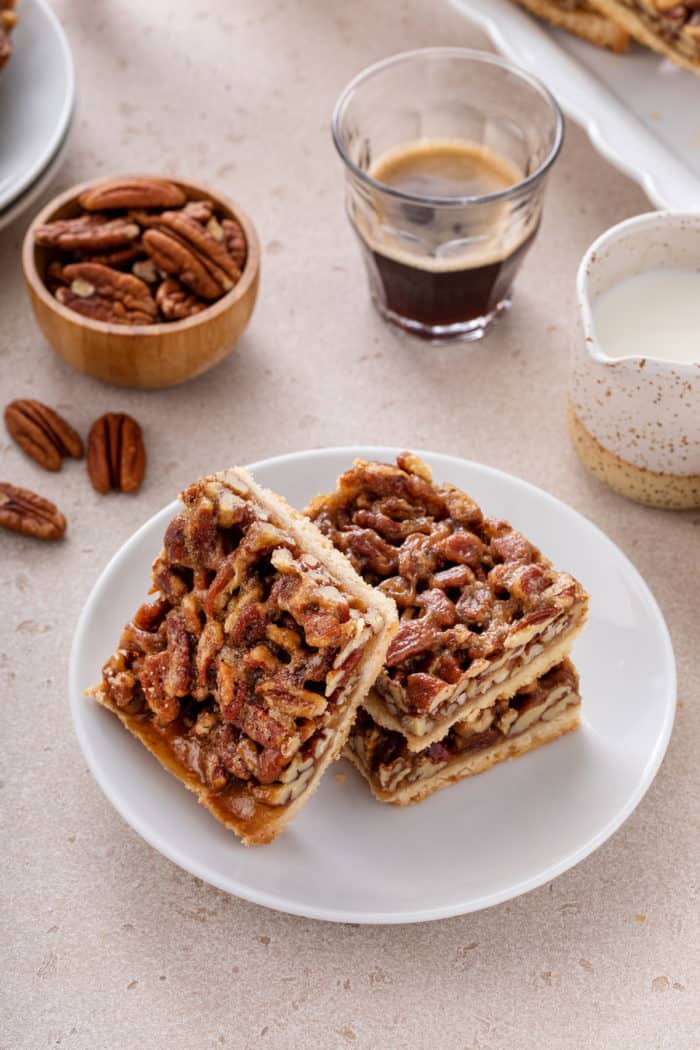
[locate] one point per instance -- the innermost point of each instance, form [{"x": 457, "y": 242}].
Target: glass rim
[{"x": 474, "y": 55}]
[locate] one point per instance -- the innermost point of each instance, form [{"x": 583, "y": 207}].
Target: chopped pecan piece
[
  {"x": 368, "y": 552},
  {"x": 475, "y": 604},
  {"x": 178, "y": 677},
  {"x": 463, "y": 547},
  {"x": 152, "y": 674},
  {"x": 512, "y": 548},
  {"x": 439, "y": 605},
  {"x": 412, "y": 637},
  {"x": 422, "y": 689}
]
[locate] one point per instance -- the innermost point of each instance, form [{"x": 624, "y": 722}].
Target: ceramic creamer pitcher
[{"x": 635, "y": 421}]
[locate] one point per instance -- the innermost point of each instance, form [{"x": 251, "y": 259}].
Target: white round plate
[
  {"x": 20, "y": 204},
  {"x": 37, "y": 94},
  {"x": 489, "y": 838}
]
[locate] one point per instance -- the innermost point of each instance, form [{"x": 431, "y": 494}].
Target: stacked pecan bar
[
  {"x": 486, "y": 623},
  {"x": 244, "y": 673}
]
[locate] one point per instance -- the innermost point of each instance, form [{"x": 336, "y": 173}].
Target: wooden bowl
[{"x": 143, "y": 356}]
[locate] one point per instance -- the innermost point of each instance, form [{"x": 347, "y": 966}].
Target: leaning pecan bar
[
  {"x": 666, "y": 26},
  {"x": 536, "y": 715},
  {"x": 482, "y": 612},
  {"x": 582, "y": 19},
  {"x": 244, "y": 673}
]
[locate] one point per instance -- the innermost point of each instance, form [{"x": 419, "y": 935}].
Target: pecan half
[
  {"x": 169, "y": 253},
  {"x": 200, "y": 211},
  {"x": 116, "y": 457},
  {"x": 88, "y": 233},
  {"x": 208, "y": 241},
  {"x": 23, "y": 511},
  {"x": 235, "y": 241},
  {"x": 177, "y": 302},
  {"x": 104, "y": 294},
  {"x": 119, "y": 257},
  {"x": 42, "y": 433},
  {"x": 133, "y": 193}
]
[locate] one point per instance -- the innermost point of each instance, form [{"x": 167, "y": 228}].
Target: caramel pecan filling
[
  {"x": 472, "y": 592},
  {"x": 389, "y": 762},
  {"x": 243, "y": 660}
]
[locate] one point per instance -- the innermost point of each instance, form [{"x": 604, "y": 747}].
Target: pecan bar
[
  {"x": 537, "y": 714},
  {"x": 666, "y": 26},
  {"x": 243, "y": 674},
  {"x": 582, "y": 19},
  {"x": 482, "y": 612}
]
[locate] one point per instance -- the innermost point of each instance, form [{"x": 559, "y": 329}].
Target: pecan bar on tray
[
  {"x": 666, "y": 26},
  {"x": 581, "y": 18},
  {"x": 243, "y": 674},
  {"x": 482, "y": 613},
  {"x": 536, "y": 715}
]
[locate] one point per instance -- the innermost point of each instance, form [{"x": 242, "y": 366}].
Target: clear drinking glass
[{"x": 442, "y": 267}]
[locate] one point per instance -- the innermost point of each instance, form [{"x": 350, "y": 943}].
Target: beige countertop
[{"x": 106, "y": 944}]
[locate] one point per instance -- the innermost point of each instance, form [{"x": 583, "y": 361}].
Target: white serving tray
[{"x": 640, "y": 111}]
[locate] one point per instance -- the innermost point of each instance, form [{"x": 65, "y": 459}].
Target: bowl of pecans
[{"x": 142, "y": 281}]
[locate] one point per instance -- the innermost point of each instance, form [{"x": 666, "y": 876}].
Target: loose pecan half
[
  {"x": 42, "y": 433},
  {"x": 176, "y": 302},
  {"x": 104, "y": 294},
  {"x": 23, "y": 511},
  {"x": 133, "y": 193},
  {"x": 116, "y": 457},
  {"x": 87, "y": 233}
]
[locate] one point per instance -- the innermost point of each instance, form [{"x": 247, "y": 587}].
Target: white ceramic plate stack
[
  {"x": 37, "y": 99},
  {"x": 346, "y": 857},
  {"x": 640, "y": 111}
]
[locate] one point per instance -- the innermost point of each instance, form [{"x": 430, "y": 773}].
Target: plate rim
[
  {"x": 53, "y": 143},
  {"x": 278, "y": 903},
  {"x": 595, "y": 116},
  {"x": 16, "y": 208}
]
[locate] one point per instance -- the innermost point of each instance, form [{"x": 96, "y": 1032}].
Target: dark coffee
[{"x": 438, "y": 265}]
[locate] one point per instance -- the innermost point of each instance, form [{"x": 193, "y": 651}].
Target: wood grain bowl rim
[{"x": 245, "y": 283}]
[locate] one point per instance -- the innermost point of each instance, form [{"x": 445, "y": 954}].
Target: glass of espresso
[{"x": 446, "y": 153}]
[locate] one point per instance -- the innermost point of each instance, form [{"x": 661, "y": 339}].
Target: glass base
[{"x": 461, "y": 332}]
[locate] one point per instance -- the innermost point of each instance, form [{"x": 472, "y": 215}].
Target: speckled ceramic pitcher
[{"x": 635, "y": 421}]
